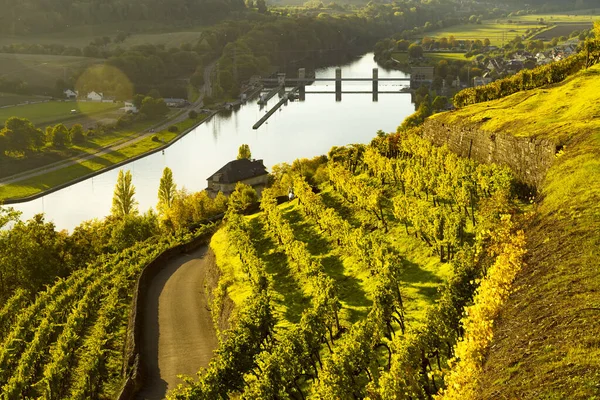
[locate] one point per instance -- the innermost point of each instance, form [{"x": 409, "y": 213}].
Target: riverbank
[{"x": 28, "y": 189}]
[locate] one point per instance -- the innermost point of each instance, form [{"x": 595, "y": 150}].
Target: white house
[
  {"x": 70, "y": 94},
  {"x": 94, "y": 96},
  {"x": 128, "y": 106}
]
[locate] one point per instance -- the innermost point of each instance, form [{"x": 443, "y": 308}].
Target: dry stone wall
[{"x": 529, "y": 158}]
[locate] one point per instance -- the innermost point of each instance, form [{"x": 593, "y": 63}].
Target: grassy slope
[
  {"x": 567, "y": 110},
  {"x": 42, "y": 70},
  {"x": 547, "y": 339},
  {"x": 423, "y": 272}
]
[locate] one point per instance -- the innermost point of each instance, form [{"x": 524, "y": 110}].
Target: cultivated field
[
  {"x": 500, "y": 31},
  {"x": 41, "y": 70},
  {"x": 562, "y": 30}
]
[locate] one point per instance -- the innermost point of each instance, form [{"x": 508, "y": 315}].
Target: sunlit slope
[
  {"x": 547, "y": 339},
  {"x": 557, "y": 112}
]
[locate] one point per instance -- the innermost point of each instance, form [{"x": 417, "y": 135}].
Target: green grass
[
  {"x": 49, "y": 180},
  {"x": 53, "y": 111},
  {"x": 568, "y": 109},
  {"x": 547, "y": 338},
  {"x": 446, "y": 56},
  {"x": 42, "y": 70}
]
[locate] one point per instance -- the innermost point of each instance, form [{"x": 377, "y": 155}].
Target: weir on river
[{"x": 302, "y": 129}]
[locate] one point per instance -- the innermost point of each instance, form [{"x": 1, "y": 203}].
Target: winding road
[{"x": 178, "y": 335}]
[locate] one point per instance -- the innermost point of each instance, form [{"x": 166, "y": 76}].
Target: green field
[
  {"x": 42, "y": 70},
  {"x": 500, "y": 31},
  {"x": 53, "y": 111},
  {"x": 49, "y": 180}
]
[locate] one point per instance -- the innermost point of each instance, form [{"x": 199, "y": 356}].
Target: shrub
[
  {"x": 173, "y": 128},
  {"x": 155, "y": 138}
]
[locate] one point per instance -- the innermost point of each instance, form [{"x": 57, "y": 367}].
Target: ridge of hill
[{"x": 546, "y": 341}]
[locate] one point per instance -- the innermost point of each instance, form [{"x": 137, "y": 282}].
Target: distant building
[
  {"x": 128, "y": 106},
  {"x": 70, "y": 94},
  {"x": 420, "y": 76},
  {"x": 94, "y": 96},
  {"x": 251, "y": 172},
  {"x": 480, "y": 81},
  {"x": 177, "y": 103}
]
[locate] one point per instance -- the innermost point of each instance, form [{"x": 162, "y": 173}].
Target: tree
[
  {"x": 137, "y": 100},
  {"x": 154, "y": 108},
  {"x": 61, "y": 136},
  {"x": 77, "y": 133},
  {"x": 193, "y": 114},
  {"x": 166, "y": 191},
  {"x": 261, "y": 5},
  {"x": 21, "y": 135},
  {"x": 123, "y": 202},
  {"x": 244, "y": 152},
  {"x": 242, "y": 197},
  {"x": 415, "y": 51},
  {"x": 486, "y": 42},
  {"x": 440, "y": 103}
]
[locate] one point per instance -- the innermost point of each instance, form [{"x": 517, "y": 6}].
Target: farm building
[{"x": 251, "y": 172}]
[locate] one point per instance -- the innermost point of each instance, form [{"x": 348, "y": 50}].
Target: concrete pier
[
  {"x": 281, "y": 102},
  {"x": 338, "y": 84},
  {"x": 302, "y": 84},
  {"x": 375, "y": 84}
]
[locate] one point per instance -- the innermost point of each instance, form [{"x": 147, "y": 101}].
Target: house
[
  {"x": 480, "y": 81},
  {"x": 94, "y": 96},
  {"x": 495, "y": 65},
  {"x": 129, "y": 107},
  {"x": 70, "y": 94},
  {"x": 251, "y": 172},
  {"x": 542, "y": 59},
  {"x": 176, "y": 102},
  {"x": 421, "y": 76}
]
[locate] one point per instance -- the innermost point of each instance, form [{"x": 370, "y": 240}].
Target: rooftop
[{"x": 239, "y": 170}]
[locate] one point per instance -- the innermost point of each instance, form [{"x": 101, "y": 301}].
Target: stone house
[{"x": 251, "y": 172}]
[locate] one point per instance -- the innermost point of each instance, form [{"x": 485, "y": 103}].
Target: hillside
[{"x": 546, "y": 339}]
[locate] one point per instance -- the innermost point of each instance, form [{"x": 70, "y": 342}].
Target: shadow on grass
[
  {"x": 306, "y": 232},
  {"x": 276, "y": 264},
  {"x": 413, "y": 273},
  {"x": 349, "y": 289},
  {"x": 340, "y": 207}
]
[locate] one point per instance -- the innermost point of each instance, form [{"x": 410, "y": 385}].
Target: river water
[{"x": 299, "y": 129}]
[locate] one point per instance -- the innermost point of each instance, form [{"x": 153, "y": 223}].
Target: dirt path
[{"x": 178, "y": 336}]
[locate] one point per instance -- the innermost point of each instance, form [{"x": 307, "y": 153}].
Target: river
[{"x": 300, "y": 129}]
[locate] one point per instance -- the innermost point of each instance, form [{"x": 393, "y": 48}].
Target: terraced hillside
[
  {"x": 356, "y": 290},
  {"x": 69, "y": 341},
  {"x": 546, "y": 339}
]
